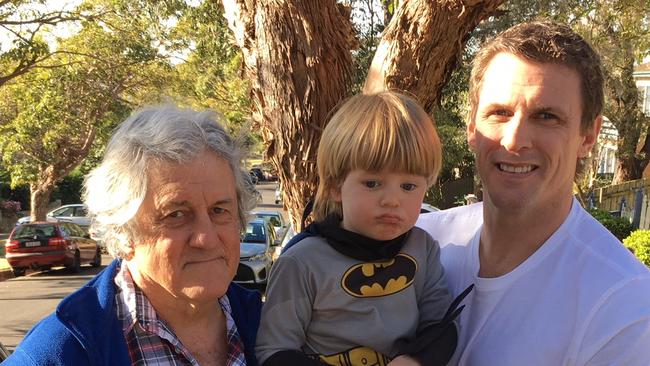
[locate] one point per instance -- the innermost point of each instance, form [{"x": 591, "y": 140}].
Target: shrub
[
  {"x": 639, "y": 242},
  {"x": 619, "y": 226},
  {"x": 10, "y": 207}
]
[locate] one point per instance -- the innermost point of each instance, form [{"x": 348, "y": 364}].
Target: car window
[
  {"x": 42, "y": 230},
  {"x": 65, "y": 232},
  {"x": 272, "y": 218},
  {"x": 81, "y": 212},
  {"x": 74, "y": 229},
  {"x": 255, "y": 233},
  {"x": 67, "y": 211}
]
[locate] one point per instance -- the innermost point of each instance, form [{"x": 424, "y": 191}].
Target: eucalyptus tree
[{"x": 298, "y": 57}]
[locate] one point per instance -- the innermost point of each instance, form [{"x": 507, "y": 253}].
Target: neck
[
  {"x": 509, "y": 237},
  {"x": 201, "y": 326}
]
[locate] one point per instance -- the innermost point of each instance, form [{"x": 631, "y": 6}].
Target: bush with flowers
[{"x": 9, "y": 208}]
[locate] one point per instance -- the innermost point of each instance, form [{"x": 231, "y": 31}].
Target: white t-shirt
[{"x": 580, "y": 299}]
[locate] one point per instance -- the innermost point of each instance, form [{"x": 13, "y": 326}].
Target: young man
[{"x": 553, "y": 286}]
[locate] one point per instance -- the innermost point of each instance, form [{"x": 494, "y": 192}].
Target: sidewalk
[{"x": 5, "y": 270}]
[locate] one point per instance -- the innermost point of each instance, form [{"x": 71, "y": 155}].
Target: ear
[
  {"x": 335, "y": 192},
  {"x": 590, "y": 137},
  {"x": 471, "y": 134}
]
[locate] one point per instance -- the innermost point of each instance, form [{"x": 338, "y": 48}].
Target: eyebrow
[{"x": 185, "y": 203}]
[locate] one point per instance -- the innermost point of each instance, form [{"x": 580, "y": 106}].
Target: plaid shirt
[{"x": 151, "y": 341}]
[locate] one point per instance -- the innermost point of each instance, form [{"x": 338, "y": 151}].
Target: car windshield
[
  {"x": 272, "y": 218},
  {"x": 29, "y": 231},
  {"x": 255, "y": 233}
]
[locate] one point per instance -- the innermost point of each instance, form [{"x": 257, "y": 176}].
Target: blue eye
[
  {"x": 371, "y": 183},
  {"x": 408, "y": 186}
]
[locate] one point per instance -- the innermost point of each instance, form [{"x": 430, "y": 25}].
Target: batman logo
[
  {"x": 359, "y": 356},
  {"x": 380, "y": 278}
]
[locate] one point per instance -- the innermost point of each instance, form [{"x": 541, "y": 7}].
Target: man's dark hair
[{"x": 545, "y": 42}]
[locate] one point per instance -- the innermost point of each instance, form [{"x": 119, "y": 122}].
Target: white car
[
  {"x": 75, "y": 213},
  {"x": 256, "y": 254},
  {"x": 276, "y": 219}
]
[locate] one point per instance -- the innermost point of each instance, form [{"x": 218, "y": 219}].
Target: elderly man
[
  {"x": 553, "y": 286},
  {"x": 171, "y": 198}
]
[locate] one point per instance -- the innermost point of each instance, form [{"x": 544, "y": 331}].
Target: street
[{"x": 26, "y": 300}]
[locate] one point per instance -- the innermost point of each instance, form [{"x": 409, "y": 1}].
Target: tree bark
[
  {"x": 422, "y": 45},
  {"x": 298, "y": 58}
]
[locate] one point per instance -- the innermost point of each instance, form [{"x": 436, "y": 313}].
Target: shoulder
[
  {"x": 49, "y": 342},
  {"x": 453, "y": 226},
  {"x": 603, "y": 250},
  {"x": 242, "y": 299},
  {"x": 306, "y": 249}
]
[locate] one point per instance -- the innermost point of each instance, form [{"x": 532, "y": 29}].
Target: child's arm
[
  {"x": 436, "y": 337},
  {"x": 286, "y": 315}
]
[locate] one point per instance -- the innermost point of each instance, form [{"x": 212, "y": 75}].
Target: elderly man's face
[{"x": 188, "y": 226}]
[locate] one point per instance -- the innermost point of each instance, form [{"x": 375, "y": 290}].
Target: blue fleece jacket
[{"x": 85, "y": 329}]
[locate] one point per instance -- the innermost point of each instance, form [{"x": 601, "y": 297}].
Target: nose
[
  {"x": 205, "y": 232},
  {"x": 515, "y": 134},
  {"x": 389, "y": 198}
]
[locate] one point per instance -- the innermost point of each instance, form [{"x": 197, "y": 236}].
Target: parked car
[
  {"x": 257, "y": 250},
  {"x": 257, "y": 172},
  {"x": 43, "y": 245},
  {"x": 425, "y": 208},
  {"x": 276, "y": 219},
  {"x": 76, "y": 213}
]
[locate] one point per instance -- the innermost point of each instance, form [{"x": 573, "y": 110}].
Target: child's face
[{"x": 380, "y": 205}]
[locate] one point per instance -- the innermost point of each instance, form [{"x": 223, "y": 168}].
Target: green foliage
[
  {"x": 620, "y": 227},
  {"x": 209, "y": 74},
  {"x": 639, "y": 243}
]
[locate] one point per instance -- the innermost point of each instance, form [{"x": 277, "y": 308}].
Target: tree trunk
[
  {"x": 422, "y": 44},
  {"x": 297, "y": 56},
  {"x": 39, "y": 197}
]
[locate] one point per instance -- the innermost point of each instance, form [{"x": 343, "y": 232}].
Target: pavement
[{"x": 5, "y": 270}]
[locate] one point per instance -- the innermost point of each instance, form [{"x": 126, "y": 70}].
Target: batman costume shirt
[{"x": 342, "y": 309}]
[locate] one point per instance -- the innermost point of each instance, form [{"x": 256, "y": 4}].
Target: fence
[{"x": 629, "y": 199}]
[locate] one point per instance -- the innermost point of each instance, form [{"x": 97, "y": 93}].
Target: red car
[{"x": 43, "y": 245}]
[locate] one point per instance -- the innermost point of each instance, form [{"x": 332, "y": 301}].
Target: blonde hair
[{"x": 387, "y": 130}]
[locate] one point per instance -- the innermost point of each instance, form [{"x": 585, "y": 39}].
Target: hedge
[
  {"x": 619, "y": 226},
  {"x": 639, "y": 242}
]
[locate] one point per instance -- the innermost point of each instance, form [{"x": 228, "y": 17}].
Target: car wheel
[
  {"x": 18, "y": 271},
  {"x": 75, "y": 267},
  {"x": 97, "y": 261}
]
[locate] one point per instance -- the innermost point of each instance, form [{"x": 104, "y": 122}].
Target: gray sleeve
[
  {"x": 286, "y": 314},
  {"x": 434, "y": 298}
]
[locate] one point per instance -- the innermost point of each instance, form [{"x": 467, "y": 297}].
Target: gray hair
[{"x": 115, "y": 189}]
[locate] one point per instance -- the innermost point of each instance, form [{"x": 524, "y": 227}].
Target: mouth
[
  {"x": 389, "y": 219},
  {"x": 201, "y": 261},
  {"x": 516, "y": 169}
]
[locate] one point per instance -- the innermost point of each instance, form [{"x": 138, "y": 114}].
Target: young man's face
[
  {"x": 380, "y": 205},
  {"x": 526, "y": 133}
]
